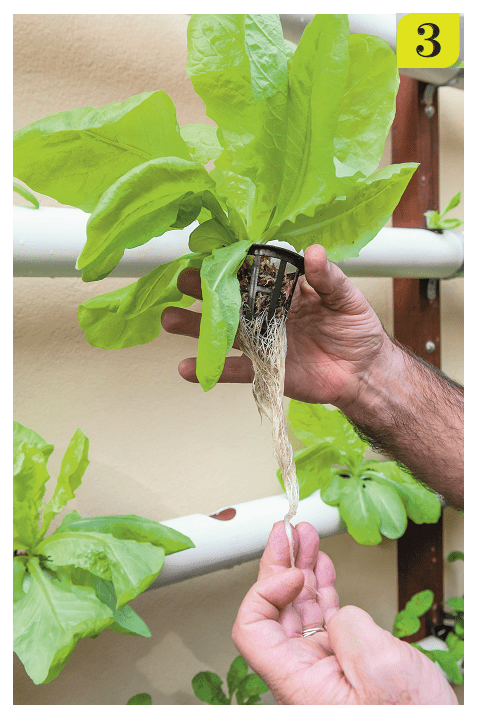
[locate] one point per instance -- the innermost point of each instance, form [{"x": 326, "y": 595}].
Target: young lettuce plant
[
  {"x": 77, "y": 581},
  {"x": 436, "y": 221},
  {"x": 374, "y": 498},
  {"x": 248, "y": 687},
  {"x": 451, "y": 658},
  {"x": 292, "y": 156}
]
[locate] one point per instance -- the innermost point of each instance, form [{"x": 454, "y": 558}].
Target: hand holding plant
[
  {"x": 334, "y": 335},
  {"x": 354, "y": 662}
]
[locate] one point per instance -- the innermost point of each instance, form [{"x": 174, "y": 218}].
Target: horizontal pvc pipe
[
  {"x": 409, "y": 253},
  {"x": 48, "y": 241},
  {"x": 223, "y": 544}
]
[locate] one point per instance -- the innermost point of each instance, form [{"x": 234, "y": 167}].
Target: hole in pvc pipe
[{"x": 227, "y": 514}]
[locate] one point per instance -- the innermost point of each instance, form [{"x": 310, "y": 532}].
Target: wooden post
[{"x": 415, "y": 138}]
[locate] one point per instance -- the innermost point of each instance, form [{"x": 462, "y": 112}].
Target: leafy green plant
[
  {"x": 25, "y": 193},
  {"x": 435, "y": 221},
  {"x": 248, "y": 687},
  {"x": 140, "y": 699},
  {"x": 374, "y": 498},
  {"x": 77, "y": 581},
  {"x": 407, "y": 622},
  {"x": 292, "y": 156}
]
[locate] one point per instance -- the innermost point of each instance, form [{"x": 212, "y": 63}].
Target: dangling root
[{"x": 264, "y": 342}]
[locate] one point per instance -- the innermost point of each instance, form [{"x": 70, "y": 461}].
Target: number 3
[{"x": 436, "y": 47}]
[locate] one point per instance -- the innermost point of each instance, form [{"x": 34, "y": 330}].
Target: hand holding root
[{"x": 351, "y": 662}]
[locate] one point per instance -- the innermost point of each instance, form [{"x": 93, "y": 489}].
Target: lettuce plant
[
  {"x": 374, "y": 498},
  {"x": 292, "y": 156},
  {"x": 407, "y": 622},
  {"x": 77, "y": 581},
  {"x": 436, "y": 221},
  {"x": 248, "y": 687}
]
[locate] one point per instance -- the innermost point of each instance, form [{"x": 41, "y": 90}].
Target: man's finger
[
  {"x": 189, "y": 283},
  {"x": 325, "y": 580},
  {"x": 180, "y": 321},
  {"x": 236, "y": 370},
  {"x": 257, "y": 627},
  {"x": 276, "y": 556},
  {"x": 328, "y": 280}
]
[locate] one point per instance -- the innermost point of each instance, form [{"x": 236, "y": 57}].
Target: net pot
[{"x": 267, "y": 280}]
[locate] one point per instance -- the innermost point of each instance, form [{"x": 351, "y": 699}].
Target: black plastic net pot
[{"x": 267, "y": 280}]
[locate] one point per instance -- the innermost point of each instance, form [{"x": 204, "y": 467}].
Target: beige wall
[{"x": 160, "y": 447}]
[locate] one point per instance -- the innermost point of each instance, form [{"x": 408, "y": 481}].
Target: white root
[{"x": 266, "y": 349}]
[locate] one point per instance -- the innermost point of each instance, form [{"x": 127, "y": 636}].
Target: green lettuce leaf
[
  {"x": 30, "y": 456},
  {"x": 369, "y": 509},
  {"x": 132, "y": 315},
  {"x": 201, "y": 141},
  {"x": 359, "y": 512},
  {"x": 74, "y": 464},
  {"x": 313, "y": 467},
  {"x": 207, "y": 687},
  {"x": 210, "y": 235},
  {"x": 142, "y": 204},
  {"x": 25, "y": 193},
  {"x": 368, "y": 105},
  {"x": 140, "y": 699},
  {"x": 390, "y": 506},
  {"x": 250, "y": 688},
  {"x": 129, "y": 565},
  {"x": 52, "y": 616},
  {"x": 422, "y": 504},
  {"x": 74, "y": 156},
  {"x": 131, "y": 527},
  {"x": 125, "y": 620},
  {"x": 314, "y": 424},
  {"x": 220, "y": 313},
  {"x": 238, "y": 670},
  {"x": 19, "y": 570},
  {"x": 420, "y": 603},
  {"x": 317, "y": 81},
  {"x": 238, "y": 66},
  {"x": 347, "y": 224}
]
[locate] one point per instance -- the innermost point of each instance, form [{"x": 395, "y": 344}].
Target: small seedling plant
[
  {"x": 374, "y": 498},
  {"x": 407, "y": 623},
  {"x": 436, "y": 221},
  {"x": 246, "y": 688},
  {"x": 77, "y": 581}
]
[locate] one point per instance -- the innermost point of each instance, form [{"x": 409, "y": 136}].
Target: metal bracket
[
  {"x": 427, "y": 97},
  {"x": 431, "y": 88},
  {"x": 432, "y": 289}
]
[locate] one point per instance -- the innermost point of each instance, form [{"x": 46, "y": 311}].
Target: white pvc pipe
[
  {"x": 47, "y": 242},
  {"x": 409, "y": 253},
  {"x": 222, "y": 544}
]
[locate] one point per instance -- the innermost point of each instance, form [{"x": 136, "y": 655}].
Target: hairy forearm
[{"x": 414, "y": 414}]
